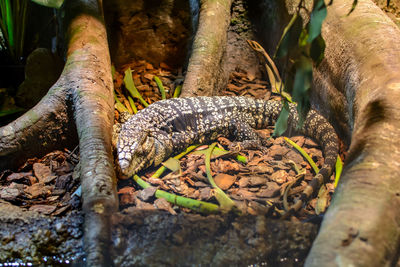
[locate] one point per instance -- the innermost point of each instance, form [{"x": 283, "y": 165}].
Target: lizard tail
[{"x": 319, "y": 128}]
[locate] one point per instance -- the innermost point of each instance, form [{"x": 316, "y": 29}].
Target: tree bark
[
  {"x": 356, "y": 87},
  {"x": 362, "y": 69},
  {"x": 204, "y": 71},
  {"x": 83, "y": 94}
]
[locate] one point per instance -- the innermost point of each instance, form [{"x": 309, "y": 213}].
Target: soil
[{"x": 41, "y": 214}]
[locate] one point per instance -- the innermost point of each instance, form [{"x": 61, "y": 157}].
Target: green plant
[
  {"x": 12, "y": 26},
  {"x": 13, "y": 15},
  {"x": 49, "y": 3},
  {"x": 303, "y": 45}
]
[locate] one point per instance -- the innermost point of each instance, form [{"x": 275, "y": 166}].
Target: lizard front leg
[{"x": 245, "y": 137}]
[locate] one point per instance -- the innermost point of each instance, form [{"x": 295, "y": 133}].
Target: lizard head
[{"x": 137, "y": 153}]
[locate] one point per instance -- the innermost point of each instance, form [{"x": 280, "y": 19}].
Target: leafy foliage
[
  {"x": 304, "y": 46},
  {"x": 13, "y": 15},
  {"x": 49, "y": 3}
]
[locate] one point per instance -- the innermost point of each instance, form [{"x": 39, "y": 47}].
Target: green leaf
[
  {"x": 133, "y": 106},
  {"x": 218, "y": 152},
  {"x": 281, "y": 122},
  {"x": 290, "y": 36},
  {"x": 301, "y": 86},
  {"x": 338, "y": 170},
  {"x": 304, "y": 154},
  {"x": 161, "y": 170},
  {"x": 317, "y": 50},
  {"x": 4, "y": 113},
  {"x": 241, "y": 159},
  {"x": 49, "y": 3},
  {"x": 224, "y": 201},
  {"x": 130, "y": 86},
  {"x": 353, "y": 6},
  {"x": 196, "y": 205},
  {"x": 177, "y": 91},
  {"x": 118, "y": 105},
  {"x": 172, "y": 164},
  {"x": 317, "y": 17},
  {"x": 9, "y": 23},
  {"x": 160, "y": 87}
]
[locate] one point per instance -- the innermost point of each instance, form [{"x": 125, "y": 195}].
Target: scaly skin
[{"x": 169, "y": 126}]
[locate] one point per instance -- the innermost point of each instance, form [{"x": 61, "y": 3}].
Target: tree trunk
[
  {"x": 356, "y": 87},
  {"x": 362, "y": 70},
  {"x": 83, "y": 94},
  {"x": 204, "y": 71}
]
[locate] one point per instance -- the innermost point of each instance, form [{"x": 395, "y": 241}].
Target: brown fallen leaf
[
  {"x": 41, "y": 171},
  {"x": 224, "y": 181},
  {"x": 17, "y": 176},
  {"x": 279, "y": 177},
  {"x": 45, "y": 209},
  {"x": 163, "y": 204},
  {"x": 61, "y": 210},
  {"x": 37, "y": 190},
  {"x": 10, "y": 194},
  {"x": 272, "y": 190}
]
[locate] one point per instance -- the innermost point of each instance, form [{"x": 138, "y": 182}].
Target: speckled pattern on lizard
[{"x": 169, "y": 126}]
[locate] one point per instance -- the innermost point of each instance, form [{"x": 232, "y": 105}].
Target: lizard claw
[{"x": 235, "y": 147}]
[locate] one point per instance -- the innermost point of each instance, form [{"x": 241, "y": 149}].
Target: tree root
[
  {"x": 356, "y": 87},
  {"x": 83, "y": 95},
  {"x": 358, "y": 78},
  {"x": 203, "y": 77}
]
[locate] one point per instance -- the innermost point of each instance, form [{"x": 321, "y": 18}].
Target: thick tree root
[
  {"x": 357, "y": 87},
  {"x": 361, "y": 227},
  {"x": 204, "y": 72},
  {"x": 83, "y": 95}
]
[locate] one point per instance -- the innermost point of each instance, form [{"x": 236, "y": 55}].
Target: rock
[
  {"x": 245, "y": 194},
  {"x": 63, "y": 181},
  {"x": 227, "y": 166},
  {"x": 310, "y": 143},
  {"x": 315, "y": 154},
  {"x": 42, "y": 70},
  {"x": 166, "y": 27},
  {"x": 127, "y": 195},
  {"x": 144, "y": 205},
  {"x": 298, "y": 139},
  {"x": 200, "y": 184},
  {"x": 278, "y": 151}
]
